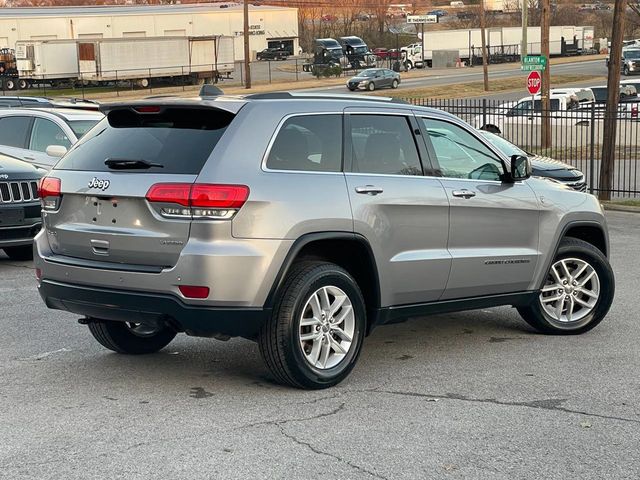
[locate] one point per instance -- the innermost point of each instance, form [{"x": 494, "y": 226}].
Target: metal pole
[
  {"x": 423, "y": 65},
  {"x": 545, "y": 24},
  {"x": 592, "y": 148},
  {"x": 296, "y": 69},
  {"x": 247, "y": 60}
]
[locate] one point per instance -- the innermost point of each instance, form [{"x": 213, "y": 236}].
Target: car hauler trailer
[{"x": 98, "y": 61}]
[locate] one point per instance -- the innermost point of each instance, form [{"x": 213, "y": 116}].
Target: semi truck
[
  {"x": 140, "y": 60},
  {"x": 349, "y": 53}
]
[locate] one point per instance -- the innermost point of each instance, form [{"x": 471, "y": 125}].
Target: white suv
[{"x": 41, "y": 135}]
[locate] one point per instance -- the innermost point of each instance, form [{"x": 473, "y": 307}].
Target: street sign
[
  {"x": 532, "y": 63},
  {"x": 534, "y": 82},
  {"x": 422, "y": 19}
]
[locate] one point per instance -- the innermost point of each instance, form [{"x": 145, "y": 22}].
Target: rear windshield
[{"x": 177, "y": 140}]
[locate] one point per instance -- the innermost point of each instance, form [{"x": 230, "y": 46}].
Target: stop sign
[{"x": 534, "y": 82}]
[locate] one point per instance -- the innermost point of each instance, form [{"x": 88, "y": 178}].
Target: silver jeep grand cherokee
[{"x": 303, "y": 222}]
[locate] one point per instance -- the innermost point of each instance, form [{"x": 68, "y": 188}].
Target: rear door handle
[
  {"x": 369, "y": 190},
  {"x": 464, "y": 193}
]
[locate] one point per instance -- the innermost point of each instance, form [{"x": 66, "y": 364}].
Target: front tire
[
  {"x": 24, "y": 252},
  {"x": 577, "y": 292},
  {"x": 130, "y": 338},
  {"x": 625, "y": 71},
  {"x": 371, "y": 87},
  {"x": 314, "y": 336}
]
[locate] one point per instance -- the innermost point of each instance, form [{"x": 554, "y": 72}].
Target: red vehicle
[{"x": 385, "y": 53}]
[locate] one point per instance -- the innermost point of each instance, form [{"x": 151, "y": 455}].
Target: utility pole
[
  {"x": 247, "y": 60},
  {"x": 545, "y": 23},
  {"x": 613, "y": 95},
  {"x": 525, "y": 29},
  {"x": 485, "y": 63}
]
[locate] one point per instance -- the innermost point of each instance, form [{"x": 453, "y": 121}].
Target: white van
[{"x": 457, "y": 3}]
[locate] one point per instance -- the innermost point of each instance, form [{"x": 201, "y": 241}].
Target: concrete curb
[{"x": 621, "y": 208}]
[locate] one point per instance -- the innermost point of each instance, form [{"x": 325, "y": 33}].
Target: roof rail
[{"x": 321, "y": 96}]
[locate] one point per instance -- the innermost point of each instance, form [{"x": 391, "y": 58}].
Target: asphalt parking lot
[{"x": 472, "y": 395}]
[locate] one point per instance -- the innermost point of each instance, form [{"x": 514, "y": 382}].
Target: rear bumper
[{"x": 153, "y": 309}]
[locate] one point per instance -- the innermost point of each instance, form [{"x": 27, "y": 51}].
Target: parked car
[
  {"x": 19, "y": 207},
  {"x": 630, "y": 61},
  {"x": 373, "y": 78},
  {"x": 272, "y": 54},
  {"x": 42, "y": 135},
  {"x": 341, "y": 214},
  {"x": 543, "y": 167},
  {"x": 9, "y": 101},
  {"x": 438, "y": 13}
]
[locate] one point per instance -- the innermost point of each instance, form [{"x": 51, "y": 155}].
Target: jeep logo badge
[{"x": 99, "y": 184}]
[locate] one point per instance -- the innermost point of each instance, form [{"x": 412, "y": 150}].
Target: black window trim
[
  {"x": 415, "y": 130},
  {"x": 272, "y": 141},
  {"x": 432, "y": 152}
]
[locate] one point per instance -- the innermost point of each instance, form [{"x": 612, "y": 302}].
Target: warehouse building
[{"x": 268, "y": 26}]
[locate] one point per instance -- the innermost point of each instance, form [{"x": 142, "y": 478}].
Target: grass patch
[
  {"x": 464, "y": 90},
  {"x": 625, "y": 203}
]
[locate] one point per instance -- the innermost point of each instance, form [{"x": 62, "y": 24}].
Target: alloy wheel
[
  {"x": 571, "y": 291},
  {"x": 327, "y": 327}
]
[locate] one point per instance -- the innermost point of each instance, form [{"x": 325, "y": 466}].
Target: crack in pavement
[
  {"x": 553, "y": 404},
  {"x": 317, "y": 451},
  {"x": 289, "y": 420}
]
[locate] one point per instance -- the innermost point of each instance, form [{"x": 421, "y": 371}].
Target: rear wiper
[{"x": 127, "y": 164}]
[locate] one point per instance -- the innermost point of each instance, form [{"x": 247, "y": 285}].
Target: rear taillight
[
  {"x": 634, "y": 111},
  {"x": 193, "y": 291},
  {"x": 198, "y": 200},
  {"x": 49, "y": 192}
]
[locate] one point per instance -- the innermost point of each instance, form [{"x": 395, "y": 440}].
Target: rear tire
[
  {"x": 304, "y": 344},
  {"x": 24, "y": 252},
  {"x": 10, "y": 84},
  {"x": 625, "y": 71},
  {"x": 133, "y": 339},
  {"x": 582, "y": 304},
  {"x": 394, "y": 84},
  {"x": 23, "y": 84}
]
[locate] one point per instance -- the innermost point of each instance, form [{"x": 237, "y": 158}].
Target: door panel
[
  {"x": 493, "y": 226},
  {"x": 404, "y": 215}
]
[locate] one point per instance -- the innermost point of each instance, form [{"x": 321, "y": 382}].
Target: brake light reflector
[
  {"x": 193, "y": 291},
  {"x": 218, "y": 196}
]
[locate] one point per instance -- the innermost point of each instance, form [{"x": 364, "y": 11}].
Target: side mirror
[
  {"x": 56, "y": 150},
  {"x": 520, "y": 168}
]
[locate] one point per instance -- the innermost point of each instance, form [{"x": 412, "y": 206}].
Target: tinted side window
[
  {"x": 13, "y": 131},
  {"x": 459, "y": 154},
  {"x": 308, "y": 143},
  {"x": 383, "y": 144},
  {"x": 45, "y": 133}
]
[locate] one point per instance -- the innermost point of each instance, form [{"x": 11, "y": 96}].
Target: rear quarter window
[{"x": 179, "y": 139}]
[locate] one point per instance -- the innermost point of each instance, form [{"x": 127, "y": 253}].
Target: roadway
[{"x": 471, "y": 395}]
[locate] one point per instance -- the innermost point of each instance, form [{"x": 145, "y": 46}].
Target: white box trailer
[
  {"x": 47, "y": 59},
  {"x": 139, "y": 59}
]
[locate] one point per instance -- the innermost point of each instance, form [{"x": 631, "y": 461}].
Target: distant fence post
[
  {"x": 297, "y": 70},
  {"x": 269, "y": 62},
  {"x": 592, "y": 148},
  {"x": 117, "y": 88},
  {"x": 150, "y": 89},
  {"x": 484, "y": 112},
  {"x": 82, "y": 85}
]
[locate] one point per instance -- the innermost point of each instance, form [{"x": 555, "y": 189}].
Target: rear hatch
[{"x": 102, "y": 211}]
